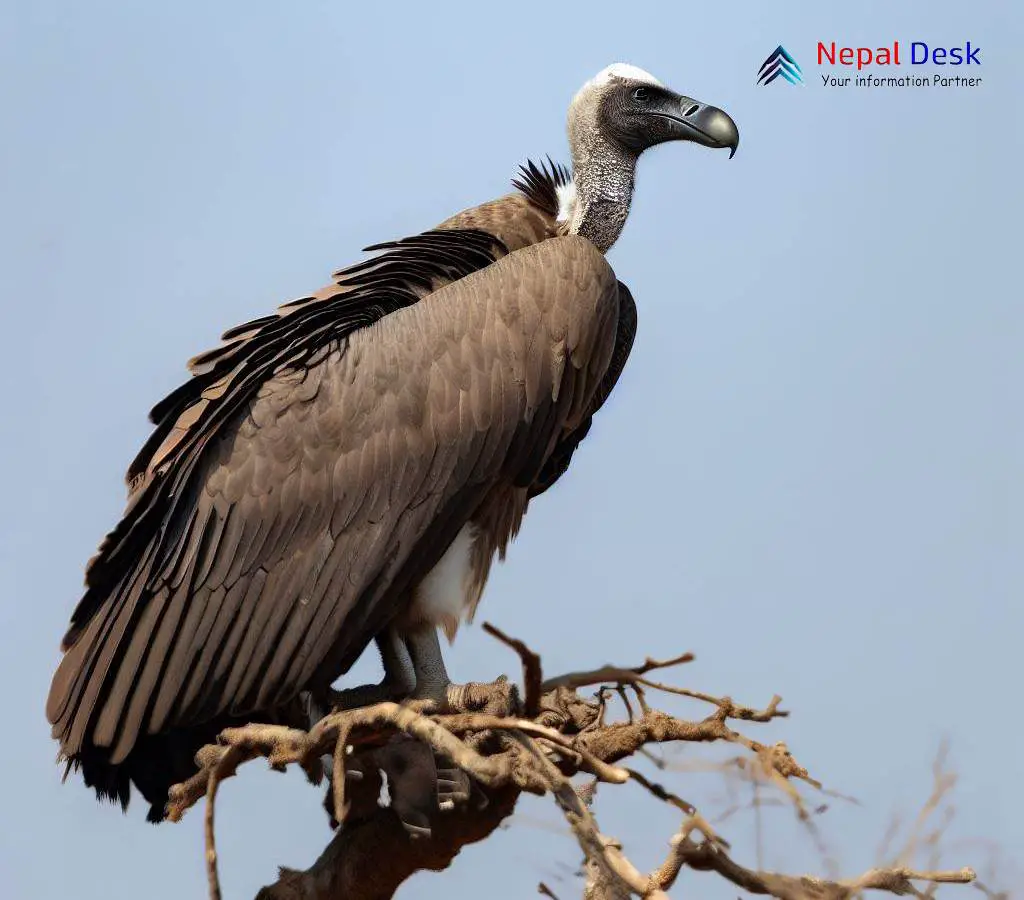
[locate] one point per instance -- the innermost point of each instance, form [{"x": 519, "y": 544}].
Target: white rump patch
[
  {"x": 566, "y": 194},
  {"x": 442, "y": 596},
  {"x": 625, "y": 71}
]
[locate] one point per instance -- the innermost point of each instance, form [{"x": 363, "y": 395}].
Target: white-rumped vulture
[{"x": 344, "y": 471}]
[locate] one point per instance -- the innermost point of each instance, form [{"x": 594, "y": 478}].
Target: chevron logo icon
[{"x": 780, "y": 64}]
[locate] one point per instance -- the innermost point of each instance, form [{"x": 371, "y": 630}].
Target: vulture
[{"x": 343, "y": 472}]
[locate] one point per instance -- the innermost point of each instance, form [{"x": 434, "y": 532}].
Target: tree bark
[{"x": 369, "y": 858}]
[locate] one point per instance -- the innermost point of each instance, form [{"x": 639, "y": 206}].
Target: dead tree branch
[{"x": 559, "y": 735}]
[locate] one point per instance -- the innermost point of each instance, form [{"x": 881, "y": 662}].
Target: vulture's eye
[{"x": 641, "y": 95}]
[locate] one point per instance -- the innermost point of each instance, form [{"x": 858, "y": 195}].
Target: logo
[
  {"x": 875, "y": 63},
  {"x": 895, "y": 63},
  {"x": 780, "y": 65}
]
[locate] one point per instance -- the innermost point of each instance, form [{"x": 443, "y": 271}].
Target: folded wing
[{"x": 297, "y": 526}]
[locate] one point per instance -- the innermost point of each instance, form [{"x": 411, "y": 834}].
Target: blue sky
[{"x": 810, "y": 474}]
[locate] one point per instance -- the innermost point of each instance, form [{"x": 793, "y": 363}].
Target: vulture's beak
[{"x": 694, "y": 121}]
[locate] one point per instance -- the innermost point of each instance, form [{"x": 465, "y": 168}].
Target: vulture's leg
[
  {"x": 399, "y": 669},
  {"x": 399, "y": 677},
  {"x": 429, "y": 672},
  {"x": 432, "y": 682}
]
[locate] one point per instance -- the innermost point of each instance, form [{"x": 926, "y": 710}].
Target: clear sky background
[{"x": 810, "y": 474}]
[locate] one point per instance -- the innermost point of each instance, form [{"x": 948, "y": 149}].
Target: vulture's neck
[{"x": 602, "y": 188}]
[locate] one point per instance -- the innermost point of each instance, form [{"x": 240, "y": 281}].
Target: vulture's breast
[{"x": 446, "y": 594}]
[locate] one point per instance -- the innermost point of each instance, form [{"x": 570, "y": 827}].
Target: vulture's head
[
  {"x": 613, "y": 118},
  {"x": 632, "y": 110}
]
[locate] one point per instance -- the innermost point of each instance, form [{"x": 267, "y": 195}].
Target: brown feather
[{"x": 315, "y": 469}]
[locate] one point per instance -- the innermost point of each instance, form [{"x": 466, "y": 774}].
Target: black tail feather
[{"x": 157, "y": 762}]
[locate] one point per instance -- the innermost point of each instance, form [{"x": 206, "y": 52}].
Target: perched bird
[{"x": 345, "y": 470}]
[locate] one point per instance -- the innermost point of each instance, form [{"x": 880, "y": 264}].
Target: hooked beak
[{"x": 706, "y": 125}]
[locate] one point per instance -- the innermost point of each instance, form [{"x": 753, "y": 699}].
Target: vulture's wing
[
  {"x": 561, "y": 456},
  {"x": 307, "y": 516}
]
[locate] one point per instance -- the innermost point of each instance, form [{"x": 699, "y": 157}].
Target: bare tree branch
[
  {"x": 532, "y": 672},
  {"x": 559, "y": 735}
]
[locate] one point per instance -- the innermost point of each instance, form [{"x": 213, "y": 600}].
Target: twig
[
  {"x": 608, "y": 673},
  {"x": 942, "y": 784},
  {"x": 660, "y": 792},
  {"x": 338, "y": 772},
  {"x": 225, "y": 764},
  {"x": 620, "y": 689},
  {"x": 594, "y": 765},
  {"x": 532, "y": 671},
  {"x": 708, "y": 856}
]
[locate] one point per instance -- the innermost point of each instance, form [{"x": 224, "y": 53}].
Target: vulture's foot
[
  {"x": 362, "y": 695},
  {"x": 498, "y": 698},
  {"x": 439, "y": 697},
  {"x": 422, "y": 784},
  {"x": 437, "y": 692}
]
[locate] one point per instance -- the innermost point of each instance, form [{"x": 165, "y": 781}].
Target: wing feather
[
  {"x": 216, "y": 686},
  {"x": 294, "y": 529},
  {"x": 561, "y": 456}
]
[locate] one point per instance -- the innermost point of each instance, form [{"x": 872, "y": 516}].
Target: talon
[{"x": 498, "y": 698}]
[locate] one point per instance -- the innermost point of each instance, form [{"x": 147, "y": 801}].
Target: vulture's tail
[{"x": 157, "y": 762}]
